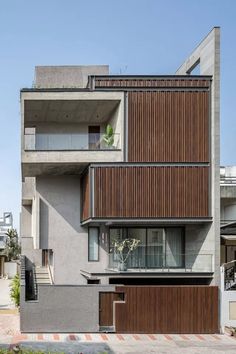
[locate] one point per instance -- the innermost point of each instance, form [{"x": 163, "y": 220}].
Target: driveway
[{"x": 91, "y": 343}]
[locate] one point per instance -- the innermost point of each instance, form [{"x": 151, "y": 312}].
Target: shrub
[{"x": 15, "y": 290}]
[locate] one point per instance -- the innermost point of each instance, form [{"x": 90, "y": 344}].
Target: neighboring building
[
  {"x": 157, "y": 180},
  {"x": 228, "y": 245},
  {"x": 6, "y": 222},
  {"x": 228, "y": 213}
]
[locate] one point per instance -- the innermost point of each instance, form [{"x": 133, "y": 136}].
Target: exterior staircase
[{"x": 42, "y": 275}]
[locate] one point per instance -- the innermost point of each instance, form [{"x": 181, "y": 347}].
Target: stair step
[
  {"x": 44, "y": 281},
  {"x": 42, "y": 275},
  {"x": 41, "y": 270}
]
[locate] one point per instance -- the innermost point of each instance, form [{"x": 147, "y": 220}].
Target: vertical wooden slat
[
  {"x": 168, "y": 126},
  {"x": 167, "y": 309},
  {"x": 151, "y": 191}
]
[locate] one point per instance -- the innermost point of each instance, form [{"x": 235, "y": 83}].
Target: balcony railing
[
  {"x": 141, "y": 260},
  {"x": 75, "y": 141}
]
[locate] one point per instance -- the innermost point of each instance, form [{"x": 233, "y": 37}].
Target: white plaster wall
[{"x": 10, "y": 269}]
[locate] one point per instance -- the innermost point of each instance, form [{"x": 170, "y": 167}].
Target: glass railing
[
  {"x": 149, "y": 260},
  {"x": 75, "y": 141}
]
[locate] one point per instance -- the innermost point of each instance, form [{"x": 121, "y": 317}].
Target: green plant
[
  {"x": 108, "y": 137},
  {"x": 124, "y": 248},
  {"x": 12, "y": 249},
  {"x": 15, "y": 290}
]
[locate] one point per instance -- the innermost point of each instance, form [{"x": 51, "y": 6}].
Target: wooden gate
[
  {"x": 106, "y": 316},
  {"x": 161, "y": 309}
]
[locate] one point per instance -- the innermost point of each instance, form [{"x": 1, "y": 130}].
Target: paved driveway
[{"x": 123, "y": 343}]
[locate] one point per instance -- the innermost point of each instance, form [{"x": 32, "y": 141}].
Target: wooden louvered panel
[
  {"x": 152, "y": 83},
  {"x": 85, "y": 204},
  {"x": 167, "y": 309},
  {"x": 151, "y": 191},
  {"x": 168, "y": 126}
]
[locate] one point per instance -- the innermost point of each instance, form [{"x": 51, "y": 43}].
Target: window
[
  {"x": 93, "y": 243},
  {"x": 158, "y": 248}
]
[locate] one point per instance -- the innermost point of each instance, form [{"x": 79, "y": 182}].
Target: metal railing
[
  {"x": 141, "y": 260},
  {"x": 28, "y": 278},
  {"x": 228, "y": 180},
  {"x": 75, "y": 141},
  {"x": 229, "y": 276}
]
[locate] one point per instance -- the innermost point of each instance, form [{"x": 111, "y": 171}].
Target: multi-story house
[
  {"x": 6, "y": 223},
  {"x": 154, "y": 177}
]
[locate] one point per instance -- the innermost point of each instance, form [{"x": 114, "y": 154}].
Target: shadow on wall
[
  {"x": 61, "y": 193},
  {"x": 197, "y": 252}
]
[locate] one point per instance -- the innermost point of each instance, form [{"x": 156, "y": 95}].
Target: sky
[{"x": 132, "y": 36}]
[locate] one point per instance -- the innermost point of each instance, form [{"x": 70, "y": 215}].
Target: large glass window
[
  {"x": 174, "y": 247},
  {"x": 93, "y": 244},
  {"x": 137, "y": 257},
  {"x": 158, "y": 247},
  {"x": 155, "y": 248}
]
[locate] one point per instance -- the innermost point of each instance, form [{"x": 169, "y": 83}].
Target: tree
[
  {"x": 12, "y": 249},
  {"x": 124, "y": 248}
]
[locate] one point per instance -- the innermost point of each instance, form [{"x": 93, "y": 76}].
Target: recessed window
[{"x": 93, "y": 243}]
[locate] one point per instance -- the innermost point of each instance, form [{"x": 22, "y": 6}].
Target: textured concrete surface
[
  {"x": 67, "y": 76},
  {"x": 207, "y": 54},
  {"x": 5, "y": 300},
  {"x": 62, "y": 308}
]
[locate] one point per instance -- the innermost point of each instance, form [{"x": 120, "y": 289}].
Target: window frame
[
  {"x": 146, "y": 227},
  {"x": 98, "y": 239}
]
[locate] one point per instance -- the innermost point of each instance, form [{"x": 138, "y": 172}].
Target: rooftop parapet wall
[{"x": 66, "y": 76}]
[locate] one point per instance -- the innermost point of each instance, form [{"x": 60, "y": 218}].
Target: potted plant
[
  {"x": 123, "y": 249},
  {"x": 108, "y": 137}
]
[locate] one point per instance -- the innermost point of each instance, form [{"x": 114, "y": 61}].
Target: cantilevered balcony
[
  {"x": 64, "y": 131},
  {"x": 147, "y": 260}
]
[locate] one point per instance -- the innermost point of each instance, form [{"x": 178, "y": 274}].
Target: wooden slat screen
[
  {"x": 151, "y": 191},
  {"x": 85, "y": 191},
  {"x": 168, "y": 126},
  {"x": 150, "y": 82},
  {"x": 167, "y": 309}
]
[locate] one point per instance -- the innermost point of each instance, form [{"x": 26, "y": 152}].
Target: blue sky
[{"x": 132, "y": 36}]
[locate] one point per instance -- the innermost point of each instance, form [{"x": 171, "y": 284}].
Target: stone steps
[{"x": 42, "y": 276}]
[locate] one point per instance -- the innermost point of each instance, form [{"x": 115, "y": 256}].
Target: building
[
  {"x": 154, "y": 177},
  {"x": 228, "y": 245},
  {"x": 6, "y": 222},
  {"x": 228, "y": 213}
]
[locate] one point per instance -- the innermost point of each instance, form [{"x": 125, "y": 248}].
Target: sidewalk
[{"x": 122, "y": 343}]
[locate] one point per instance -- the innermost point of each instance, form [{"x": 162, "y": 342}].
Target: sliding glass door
[
  {"x": 155, "y": 248},
  {"x": 174, "y": 248},
  {"x": 158, "y": 247},
  {"x": 137, "y": 257}
]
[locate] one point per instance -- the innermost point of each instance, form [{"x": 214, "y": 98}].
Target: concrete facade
[
  {"x": 63, "y": 309},
  {"x": 207, "y": 56},
  {"x": 6, "y": 222},
  {"x": 52, "y": 196},
  {"x": 66, "y": 76}
]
